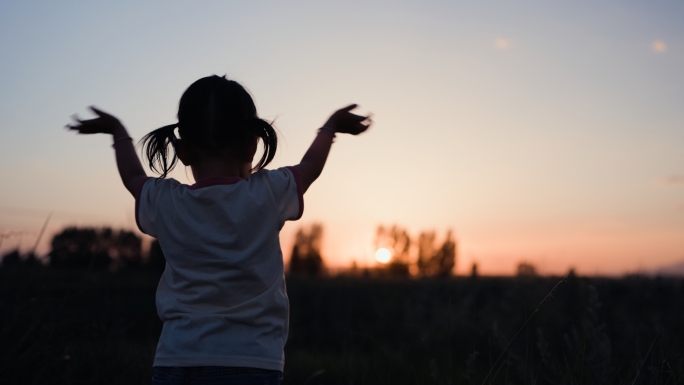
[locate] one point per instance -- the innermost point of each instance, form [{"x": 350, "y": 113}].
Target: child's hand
[
  {"x": 103, "y": 124},
  {"x": 343, "y": 121}
]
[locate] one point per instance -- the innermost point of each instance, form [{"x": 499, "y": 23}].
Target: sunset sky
[{"x": 537, "y": 131}]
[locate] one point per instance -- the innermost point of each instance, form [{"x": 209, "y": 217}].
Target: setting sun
[{"x": 383, "y": 255}]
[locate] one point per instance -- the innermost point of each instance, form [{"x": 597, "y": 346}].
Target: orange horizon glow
[{"x": 587, "y": 252}]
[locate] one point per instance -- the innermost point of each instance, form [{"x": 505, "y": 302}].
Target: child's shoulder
[
  {"x": 159, "y": 184},
  {"x": 278, "y": 175},
  {"x": 162, "y": 182}
]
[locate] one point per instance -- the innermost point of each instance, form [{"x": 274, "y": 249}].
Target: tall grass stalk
[
  {"x": 524, "y": 325},
  {"x": 645, "y": 357}
]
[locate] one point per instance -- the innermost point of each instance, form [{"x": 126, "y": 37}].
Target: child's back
[{"x": 222, "y": 296}]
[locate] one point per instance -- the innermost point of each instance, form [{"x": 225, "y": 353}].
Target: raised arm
[
  {"x": 131, "y": 171},
  {"x": 342, "y": 121}
]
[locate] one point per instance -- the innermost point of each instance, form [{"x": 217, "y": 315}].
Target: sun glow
[
  {"x": 659, "y": 46},
  {"x": 383, "y": 255}
]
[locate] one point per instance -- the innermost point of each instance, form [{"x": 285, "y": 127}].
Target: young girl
[{"x": 222, "y": 296}]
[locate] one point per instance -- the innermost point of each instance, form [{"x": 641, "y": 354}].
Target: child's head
[{"x": 216, "y": 118}]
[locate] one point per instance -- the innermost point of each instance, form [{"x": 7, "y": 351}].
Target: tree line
[
  {"x": 91, "y": 248},
  {"x": 423, "y": 256}
]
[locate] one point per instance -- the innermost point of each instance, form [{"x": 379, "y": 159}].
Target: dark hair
[{"x": 215, "y": 115}]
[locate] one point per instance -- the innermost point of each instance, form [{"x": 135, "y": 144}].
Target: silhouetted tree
[
  {"x": 526, "y": 269},
  {"x": 11, "y": 259},
  {"x": 433, "y": 261},
  {"x": 31, "y": 261},
  {"x": 426, "y": 252},
  {"x": 92, "y": 248},
  {"x": 473, "y": 271},
  {"x": 126, "y": 250},
  {"x": 14, "y": 259},
  {"x": 446, "y": 257},
  {"x": 306, "y": 253},
  {"x": 398, "y": 241}
]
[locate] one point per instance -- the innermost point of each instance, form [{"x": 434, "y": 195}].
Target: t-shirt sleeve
[
  {"x": 287, "y": 192},
  {"x": 146, "y": 202}
]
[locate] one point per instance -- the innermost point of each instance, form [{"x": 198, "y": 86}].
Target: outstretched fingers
[
  {"x": 101, "y": 113},
  {"x": 362, "y": 127},
  {"x": 82, "y": 126},
  {"x": 362, "y": 123},
  {"x": 349, "y": 107},
  {"x": 76, "y": 123},
  {"x": 104, "y": 123}
]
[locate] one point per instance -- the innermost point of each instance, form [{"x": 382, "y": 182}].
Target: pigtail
[
  {"x": 267, "y": 133},
  {"x": 156, "y": 148}
]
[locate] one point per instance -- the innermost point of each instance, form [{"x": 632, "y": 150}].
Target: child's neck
[{"x": 220, "y": 168}]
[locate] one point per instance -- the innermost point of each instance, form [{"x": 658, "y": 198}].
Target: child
[{"x": 222, "y": 296}]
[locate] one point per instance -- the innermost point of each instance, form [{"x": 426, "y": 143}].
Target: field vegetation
[
  {"x": 101, "y": 327},
  {"x": 92, "y": 320}
]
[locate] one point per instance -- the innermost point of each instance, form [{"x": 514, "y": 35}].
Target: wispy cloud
[
  {"x": 659, "y": 46},
  {"x": 503, "y": 44},
  {"x": 672, "y": 180}
]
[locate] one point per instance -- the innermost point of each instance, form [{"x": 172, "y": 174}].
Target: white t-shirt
[{"x": 222, "y": 296}]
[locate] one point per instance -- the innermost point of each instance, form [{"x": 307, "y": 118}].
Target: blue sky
[{"x": 537, "y": 131}]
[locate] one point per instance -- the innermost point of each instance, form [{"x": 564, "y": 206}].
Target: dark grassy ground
[{"x": 101, "y": 328}]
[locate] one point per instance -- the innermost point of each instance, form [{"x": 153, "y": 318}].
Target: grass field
[{"x": 102, "y": 328}]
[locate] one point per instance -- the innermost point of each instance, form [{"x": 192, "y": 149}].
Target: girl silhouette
[{"x": 222, "y": 296}]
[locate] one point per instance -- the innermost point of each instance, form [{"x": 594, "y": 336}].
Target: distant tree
[
  {"x": 433, "y": 261},
  {"x": 306, "y": 253},
  {"x": 29, "y": 260},
  {"x": 426, "y": 252},
  {"x": 14, "y": 258},
  {"x": 126, "y": 250},
  {"x": 446, "y": 257},
  {"x": 526, "y": 269},
  {"x": 473, "y": 271},
  {"x": 95, "y": 248},
  {"x": 11, "y": 259},
  {"x": 398, "y": 242}
]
